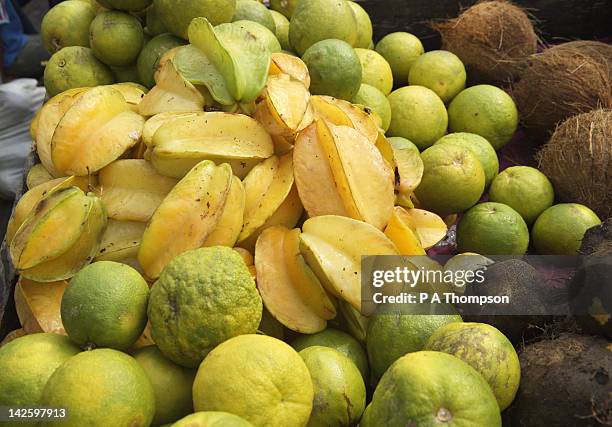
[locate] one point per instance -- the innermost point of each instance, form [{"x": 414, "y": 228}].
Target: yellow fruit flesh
[
  {"x": 38, "y": 306},
  {"x": 229, "y": 226}
]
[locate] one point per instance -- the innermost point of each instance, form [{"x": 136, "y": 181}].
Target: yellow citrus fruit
[
  {"x": 376, "y": 71},
  {"x": 400, "y": 50},
  {"x": 364, "y": 25},
  {"x": 370, "y": 97},
  {"x": 441, "y": 71}
]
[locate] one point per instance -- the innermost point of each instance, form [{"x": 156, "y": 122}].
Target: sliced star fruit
[
  {"x": 405, "y": 159},
  {"x": 333, "y": 247},
  {"x": 186, "y": 216},
  {"x": 97, "y": 129},
  {"x": 131, "y": 189},
  {"x": 289, "y": 289},
  {"x": 230, "y": 224}
]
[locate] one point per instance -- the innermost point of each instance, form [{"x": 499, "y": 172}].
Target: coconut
[
  {"x": 564, "y": 382},
  {"x": 493, "y": 39},
  {"x": 561, "y": 82},
  {"x": 578, "y": 161}
]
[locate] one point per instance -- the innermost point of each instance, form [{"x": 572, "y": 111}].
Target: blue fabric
[{"x": 12, "y": 35}]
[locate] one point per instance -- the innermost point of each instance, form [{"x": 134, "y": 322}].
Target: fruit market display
[{"x": 211, "y": 172}]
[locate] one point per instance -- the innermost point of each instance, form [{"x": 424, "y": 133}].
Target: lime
[
  {"x": 286, "y": 7},
  {"x": 480, "y": 147},
  {"x": 151, "y": 53},
  {"x": 373, "y": 98},
  {"x": 129, "y": 5},
  {"x": 67, "y": 24},
  {"x": 417, "y": 114},
  {"x": 400, "y": 50},
  {"x": 127, "y": 74},
  {"x": 492, "y": 229},
  {"x": 176, "y": 15},
  {"x": 339, "y": 390},
  {"x": 116, "y": 38},
  {"x": 212, "y": 419},
  {"x": 441, "y": 71},
  {"x": 166, "y": 375},
  {"x": 364, "y": 25},
  {"x": 154, "y": 24},
  {"x": 559, "y": 229},
  {"x": 27, "y": 363},
  {"x": 524, "y": 189},
  {"x": 334, "y": 69},
  {"x": 394, "y": 334},
  {"x": 337, "y": 340},
  {"x": 101, "y": 388},
  {"x": 282, "y": 29},
  {"x": 484, "y": 110},
  {"x": 485, "y": 349},
  {"x": 317, "y": 20},
  {"x": 202, "y": 297},
  {"x": 105, "y": 305},
  {"x": 252, "y": 10},
  {"x": 453, "y": 179},
  {"x": 261, "y": 33},
  {"x": 258, "y": 378},
  {"x": 375, "y": 70},
  {"x": 74, "y": 67},
  {"x": 430, "y": 388}
]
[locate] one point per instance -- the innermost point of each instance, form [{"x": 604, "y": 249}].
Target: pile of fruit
[{"x": 211, "y": 173}]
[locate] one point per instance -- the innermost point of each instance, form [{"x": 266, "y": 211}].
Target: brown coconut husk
[
  {"x": 493, "y": 39},
  {"x": 578, "y": 161},
  {"x": 561, "y": 82}
]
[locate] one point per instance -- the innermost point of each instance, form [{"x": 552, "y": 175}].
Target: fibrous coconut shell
[
  {"x": 493, "y": 39},
  {"x": 561, "y": 82},
  {"x": 578, "y": 161}
]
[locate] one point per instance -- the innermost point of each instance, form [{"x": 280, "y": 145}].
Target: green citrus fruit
[
  {"x": 127, "y": 74},
  {"x": 337, "y": 340},
  {"x": 492, "y": 229},
  {"x": 282, "y": 29},
  {"x": 252, "y": 10},
  {"x": 258, "y": 378},
  {"x": 317, "y": 20},
  {"x": 453, "y": 179},
  {"x": 417, "y": 114},
  {"x": 270, "y": 326},
  {"x": 261, "y": 33},
  {"x": 74, "y": 67},
  {"x": 286, "y": 7},
  {"x": 102, "y": 387},
  {"x": 171, "y": 385},
  {"x": 441, "y": 71},
  {"x": 154, "y": 24},
  {"x": 373, "y": 98},
  {"x": 176, "y": 15},
  {"x": 375, "y": 70},
  {"x": 151, "y": 53},
  {"x": 484, "y": 110},
  {"x": 212, "y": 419},
  {"x": 339, "y": 390},
  {"x": 480, "y": 147},
  {"x": 364, "y": 25},
  {"x": 127, "y": 5},
  {"x": 392, "y": 335},
  {"x": 485, "y": 349},
  {"x": 524, "y": 189},
  {"x": 430, "y": 388},
  {"x": 116, "y": 38},
  {"x": 67, "y": 24},
  {"x": 559, "y": 229},
  {"x": 202, "y": 297},
  {"x": 105, "y": 305},
  {"x": 334, "y": 69},
  {"x": 27, "y": 363},
  {"x": 400, "y": 50}
]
